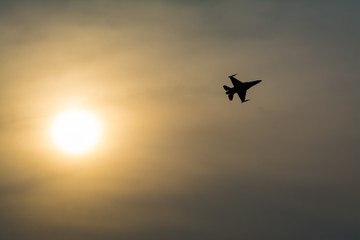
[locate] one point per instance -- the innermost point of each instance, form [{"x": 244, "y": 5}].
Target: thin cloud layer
[{"x": 178, "y": 160}]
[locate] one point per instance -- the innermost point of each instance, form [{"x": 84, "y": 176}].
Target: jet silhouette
[{"x": 239, "y": 87}]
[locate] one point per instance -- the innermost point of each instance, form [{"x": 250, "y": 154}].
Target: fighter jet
[{"x": 239, "y": 87}]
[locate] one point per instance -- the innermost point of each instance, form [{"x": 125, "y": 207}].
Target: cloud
[{"x": 178, "y": 160}]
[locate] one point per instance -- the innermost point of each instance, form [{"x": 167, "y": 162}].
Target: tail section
[{"x": 229, "y": 92}]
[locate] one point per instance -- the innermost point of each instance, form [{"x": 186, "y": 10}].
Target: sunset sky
[{"x": 176, "y": 159}]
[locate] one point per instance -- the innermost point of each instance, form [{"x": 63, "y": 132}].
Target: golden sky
[{"x": 176, "y": 159}]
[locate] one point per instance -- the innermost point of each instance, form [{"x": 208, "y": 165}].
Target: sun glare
[{"x": 76, "y": 131}]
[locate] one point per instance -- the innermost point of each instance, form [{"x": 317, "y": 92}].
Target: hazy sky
[{"x": 177, "y": 159}]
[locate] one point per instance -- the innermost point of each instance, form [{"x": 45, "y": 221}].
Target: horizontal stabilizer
[
  {"x": 230, "y": 95},
  {"x": 226, "y": 87}
]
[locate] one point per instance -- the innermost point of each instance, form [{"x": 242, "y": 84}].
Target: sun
[{"x": 76, "y": 131}]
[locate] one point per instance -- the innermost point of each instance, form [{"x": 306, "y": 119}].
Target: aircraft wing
[
  {"x": 235, "y": 82},
  {"x": 242, "y": 95},
  {"x": 250, "y": 84}
]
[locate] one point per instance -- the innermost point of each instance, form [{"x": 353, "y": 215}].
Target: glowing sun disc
[{"x": 76, "y": 131}]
